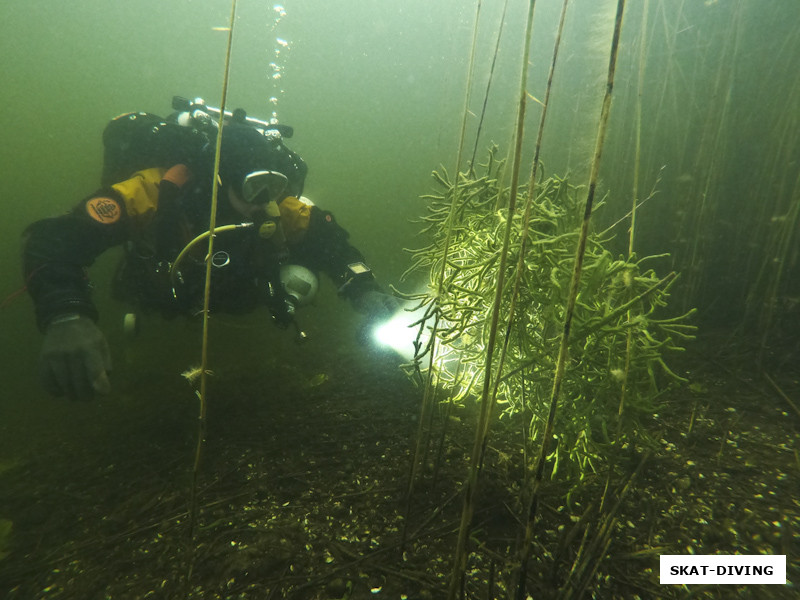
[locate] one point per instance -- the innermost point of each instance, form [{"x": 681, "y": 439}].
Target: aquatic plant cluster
[{"x": 619, "y": 336}]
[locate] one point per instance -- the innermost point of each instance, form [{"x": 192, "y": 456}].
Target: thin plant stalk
[
  {"x": 785, "y": 243},
  {"x": 584, "y": 570},
  {"x": 573, "y": 295},
  {"x": 427, "y": 398},
  {"x": 201, "y": 420},
  {"x": 488, "y": 84},
  {"x": 713, "y": 146},
  {"x": 634, "y": 202},
  {"x": 526, "y": 219},
  {"x": 783, "y": 145},
  {"x": 465, "y": 113},
  {"x": 468, "y": 509},
  {"x": 671, "y": 25},
  {"x": 637, "y": 159}
]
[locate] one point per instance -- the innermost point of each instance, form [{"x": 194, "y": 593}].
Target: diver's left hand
[
  {"x": 377, "y": 306},
  {"x": 75, "y": 359}
]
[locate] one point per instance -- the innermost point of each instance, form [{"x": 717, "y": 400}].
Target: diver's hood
[{"x": 247, "y": 151}]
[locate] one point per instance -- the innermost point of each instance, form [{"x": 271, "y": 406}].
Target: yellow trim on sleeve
[
  {"x": 295, "y": 216},
  {"x": 140, "y": 192}
]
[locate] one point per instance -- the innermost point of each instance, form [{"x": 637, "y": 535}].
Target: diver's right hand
[{"x": 75, "y": 360}]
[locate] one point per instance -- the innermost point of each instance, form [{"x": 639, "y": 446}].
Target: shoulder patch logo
[{"x": 104, "y": 210}]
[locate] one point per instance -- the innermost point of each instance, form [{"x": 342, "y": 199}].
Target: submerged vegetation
[{"x": 622, "y": 332}]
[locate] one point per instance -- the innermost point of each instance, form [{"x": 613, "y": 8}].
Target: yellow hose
[{"x": 173, "y": 270}]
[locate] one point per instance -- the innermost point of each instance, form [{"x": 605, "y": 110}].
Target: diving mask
[{"x": 260, "y": 187}]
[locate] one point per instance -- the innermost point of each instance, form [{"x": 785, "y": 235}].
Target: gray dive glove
[{"x": 75, "y": 360}]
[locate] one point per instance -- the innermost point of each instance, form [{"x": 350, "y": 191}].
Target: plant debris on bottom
[{"x": 302, "y": 495}]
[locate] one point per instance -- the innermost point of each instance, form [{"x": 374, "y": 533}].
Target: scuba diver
[{"x": 270, "y": 241}]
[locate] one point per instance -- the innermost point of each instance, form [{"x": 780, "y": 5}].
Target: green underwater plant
[{"x": 619, "y": 336}]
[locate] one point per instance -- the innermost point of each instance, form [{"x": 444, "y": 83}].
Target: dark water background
[{"x": 375, "y": 91}]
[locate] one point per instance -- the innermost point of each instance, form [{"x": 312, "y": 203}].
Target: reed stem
[
  {"x": 637, "y": 159},
  {"x": 468, "y": 509},
  {"x": 531, "y": 196},
  {"x": 427, "y": 398},
  {"x": 573, "y": 295},
  {"x": 488, "y": 85},
  {"x": 201, "y": 420}
]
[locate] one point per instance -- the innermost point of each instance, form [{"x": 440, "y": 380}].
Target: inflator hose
[{"x": 182, "y": 254}]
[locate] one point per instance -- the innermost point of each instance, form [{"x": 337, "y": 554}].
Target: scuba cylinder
[{"x": 195, "y": 111}]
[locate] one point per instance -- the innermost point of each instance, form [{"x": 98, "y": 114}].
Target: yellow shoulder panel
[
  {"x": 141, "y": 191},
  {"x": 295, "y": 216}
]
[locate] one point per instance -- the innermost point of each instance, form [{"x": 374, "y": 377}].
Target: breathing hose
[{"x": 173, "y": 270}]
